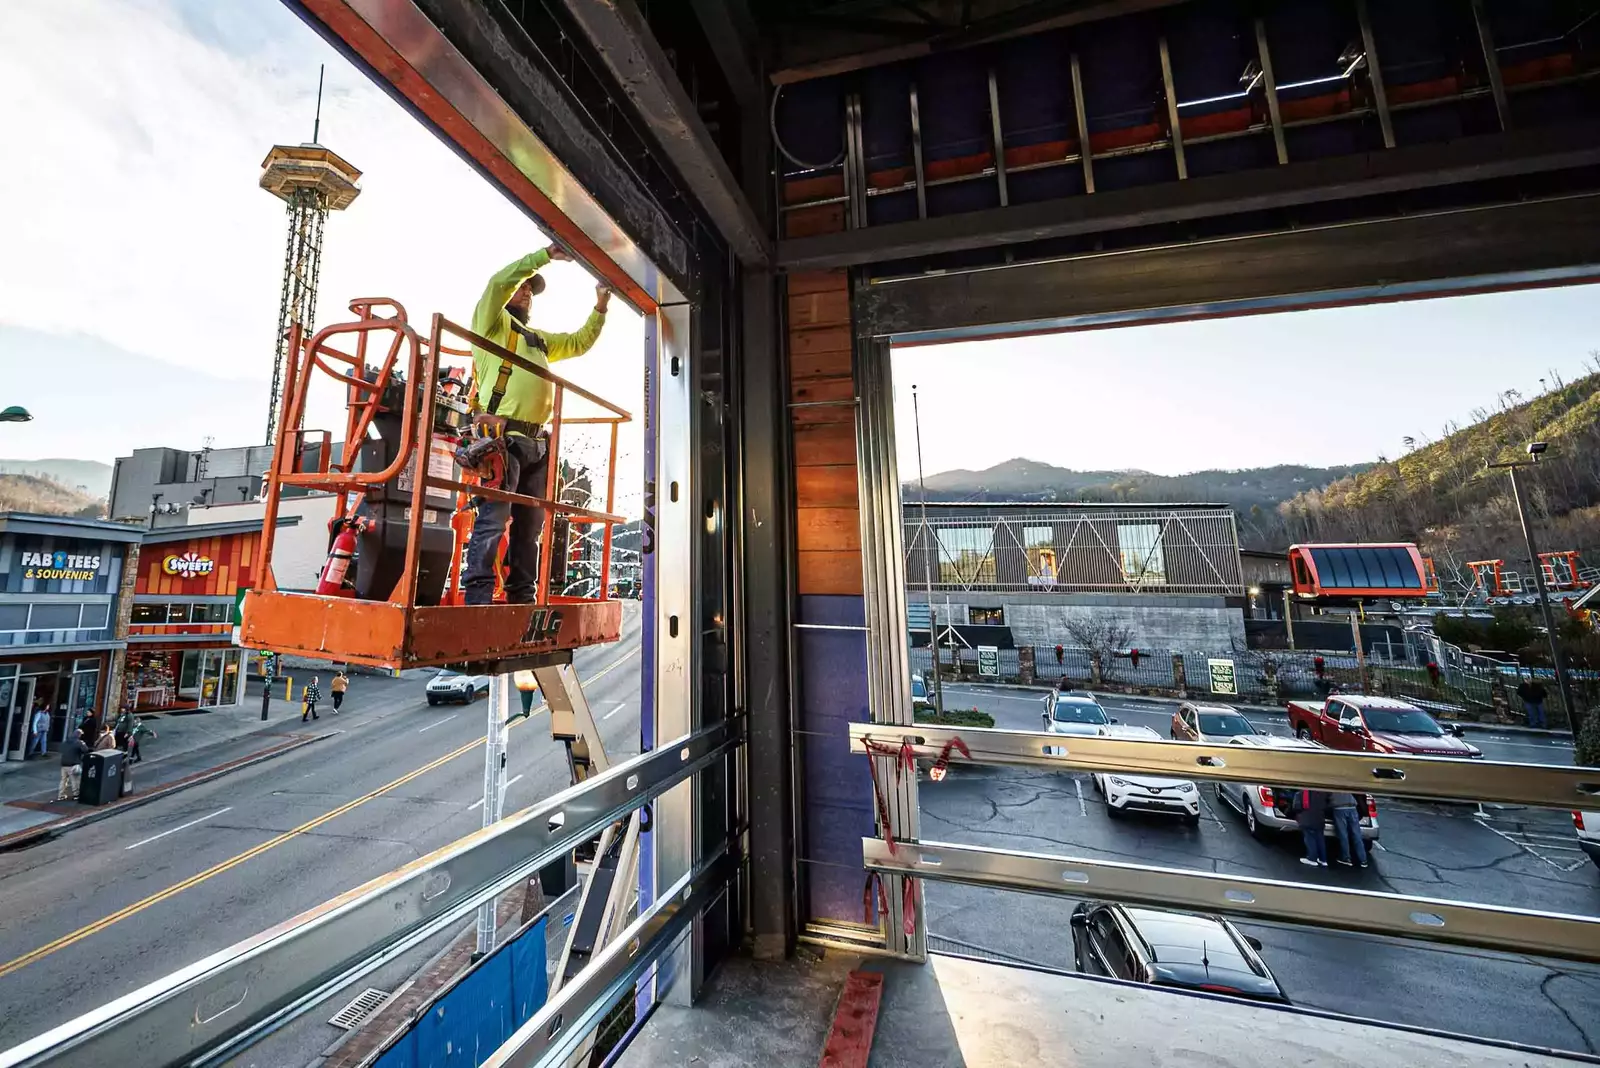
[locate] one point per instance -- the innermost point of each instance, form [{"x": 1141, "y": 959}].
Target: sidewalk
[{"x": 189, "y": 748}]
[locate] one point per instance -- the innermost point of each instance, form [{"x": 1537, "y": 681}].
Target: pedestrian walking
[
  {"x": 1533, "y": 695},
  {"x": 1310, "y": 814},
  {"x": 341, "y": 683},
  {"x": 72, "y": 752},
  {"x": 41, "y": 731},
  {"x": 1347, "y": 829},
  {"x": 308, "y": 706}
]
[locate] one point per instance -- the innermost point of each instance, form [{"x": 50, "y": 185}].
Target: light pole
[
  {"x": 1537, "y": 449},
  {"x": 927, "y": 561}
]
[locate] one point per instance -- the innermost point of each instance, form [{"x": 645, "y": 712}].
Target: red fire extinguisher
[{"x": 332, "y": 583}]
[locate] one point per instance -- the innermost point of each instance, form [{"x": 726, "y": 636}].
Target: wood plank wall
[{"x": 827, "y": 521}]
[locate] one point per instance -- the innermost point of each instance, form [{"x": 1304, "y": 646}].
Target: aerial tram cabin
[
  {"x": 400, "y": 605},
  {"x": 1353, "y": 572}
]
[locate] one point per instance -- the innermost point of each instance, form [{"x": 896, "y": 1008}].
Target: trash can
[{"x": 102, "y": 777}]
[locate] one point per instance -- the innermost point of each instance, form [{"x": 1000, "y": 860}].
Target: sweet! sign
[{"x": 188, "y": 565}]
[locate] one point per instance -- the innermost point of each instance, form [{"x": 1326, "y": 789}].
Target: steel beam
[
  {"x": 465, "y": 73},
  {"x": 733, "y": 36},
  {"x": 619, "y": 33},
  {"x": 1491, "y": 63},
  {"x": 763, "y": 567},
  {"x": 1469, "y": 159},
  {"x": 1461, "y": 923},
  {"x": 1507, "y": 246}
]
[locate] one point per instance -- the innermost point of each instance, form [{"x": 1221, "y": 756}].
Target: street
[
  {"x": 108, "y": 907},
  {"x": 1501, "y": 855}
]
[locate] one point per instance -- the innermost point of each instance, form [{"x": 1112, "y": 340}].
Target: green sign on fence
[
  {"x": 988, "y": 661},
  {"x": 1222, "y": 677}
]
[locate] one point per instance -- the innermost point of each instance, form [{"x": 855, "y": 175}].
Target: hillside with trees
[
  {"x": 1440, "y": 494},
  {"x": 47, "y": 496}
]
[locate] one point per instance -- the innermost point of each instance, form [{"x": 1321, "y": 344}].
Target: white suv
[
  {"x": 1587, "y": 825},
  {"x": 1139, "y": 792}
]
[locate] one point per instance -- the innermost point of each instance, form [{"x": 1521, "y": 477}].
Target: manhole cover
[{"x": 365, "y": 1004}]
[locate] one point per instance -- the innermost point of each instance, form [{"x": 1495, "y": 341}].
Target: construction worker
[{"x": 515, "y": 405}]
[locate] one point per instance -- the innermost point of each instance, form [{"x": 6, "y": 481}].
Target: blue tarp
[{"x": 480, "y": 1012}]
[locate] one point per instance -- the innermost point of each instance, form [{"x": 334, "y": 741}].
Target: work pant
[
  {"x": 1347, "y": 828},
  {"x": 69, "y": 783},
  {"x": 527, "y": 466},
  {"x": 309, "y": 709},
  {"x": 1535, "y": 713},
  {"x": 1316, "y": 845},
  {"x": 39, "y": 743}
]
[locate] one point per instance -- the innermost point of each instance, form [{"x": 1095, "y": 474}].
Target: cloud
[{"x": 146, "y": 122}]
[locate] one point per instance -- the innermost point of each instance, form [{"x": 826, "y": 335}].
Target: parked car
[
  {"x": 1587, "y": 824},
  {"x": 1173, "y": 949},
  {"x": 1361, "y": 723},
  {"x": 1257, "y": 805},
  {"x": 1138, "y": 792},
  {"x": 920, "y": 700},
  {"x": 1208, "y": 723},
  {"x": 448, "y": 685},
  {"x": 1075, "y": 712}
]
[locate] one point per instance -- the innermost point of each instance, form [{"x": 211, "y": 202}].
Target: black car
[{"x": 1176, "y": 949}]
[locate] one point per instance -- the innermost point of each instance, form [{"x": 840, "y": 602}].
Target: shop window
[
  {"x": 994, "y": 617},
  {"x": 177, "y": 613},
  {"x": 210, "y": 613},
  {"x": 95, "y": 617},
  {"x": 54, "y": 617},
  {"x": 1143, "y": 562},
  {"x": 966, "y": 555},
  {"x": 147, "y": 614},
  {"x": 13, "y": 617}
]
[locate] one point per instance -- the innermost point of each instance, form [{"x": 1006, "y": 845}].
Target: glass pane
[
  {"x": 149, "y": 613},
  {"x": 54, "y": 617},
  {"x": 189, "y": 675},
  {"x": 85, "y": 684},
  {"x": 230, "y": 676},
  {"x": 177, "y": 613},
  {"x": 1143, "y": 562},
  {"x": 966, "y": 555},
  {"x": 96, "y": 617},
  {"x": 13, "y": 617}
]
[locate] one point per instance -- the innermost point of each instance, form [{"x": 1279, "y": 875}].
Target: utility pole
[
  {"x": 1537, "y": 449},
  {"x": 269, "y": 672},
  {"x": 927, "y": 561}
]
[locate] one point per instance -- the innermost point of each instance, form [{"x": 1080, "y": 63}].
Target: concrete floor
[{"x": 959, "y": 1013}]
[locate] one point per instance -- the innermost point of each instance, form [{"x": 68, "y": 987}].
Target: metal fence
[
  {"x": 1466, "y": 686},
  {"x": 1150, "y": 550}
]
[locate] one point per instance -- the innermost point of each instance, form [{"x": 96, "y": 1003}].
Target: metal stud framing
[
  {"x": 1172, "y": 111},
  {"x": 1380, "y": 99},
  {"x": 1491, "y": 63},
  {"x": 1269, "y": 83},
  {"x": 1081, "y": 113}
]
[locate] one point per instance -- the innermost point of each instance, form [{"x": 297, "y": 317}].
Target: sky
[
  {"x": 1321, "y": 388},
  {"x": 139, "y": 290}
]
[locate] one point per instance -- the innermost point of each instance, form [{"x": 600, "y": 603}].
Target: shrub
[{"x": 956, "y": 717}]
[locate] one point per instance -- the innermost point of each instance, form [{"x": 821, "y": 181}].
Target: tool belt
[{"x": 485, "y": 456}]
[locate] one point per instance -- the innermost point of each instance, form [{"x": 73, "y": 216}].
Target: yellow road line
[{"x": 310, "y": 825}]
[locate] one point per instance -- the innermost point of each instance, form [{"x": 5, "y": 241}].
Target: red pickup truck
[{"x": 1359, "y": 723}]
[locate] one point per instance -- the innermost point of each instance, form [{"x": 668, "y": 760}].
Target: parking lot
[{"x": 1504, "y": 855}]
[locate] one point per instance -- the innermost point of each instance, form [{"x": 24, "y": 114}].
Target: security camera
[{"x": 1536, "y": 448}]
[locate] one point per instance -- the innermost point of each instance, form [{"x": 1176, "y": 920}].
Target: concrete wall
[
  {"x": 298, "y": 552},
  {"x": 1180, "y": 623}
]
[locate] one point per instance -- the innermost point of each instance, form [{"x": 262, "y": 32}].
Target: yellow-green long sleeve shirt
[{"x": 527, "y": 397}]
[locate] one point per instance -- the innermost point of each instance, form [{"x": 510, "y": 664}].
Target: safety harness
[{"x": 483, "y": 453}]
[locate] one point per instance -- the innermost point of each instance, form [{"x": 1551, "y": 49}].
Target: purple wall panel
[{"x": 837, "y": 787}]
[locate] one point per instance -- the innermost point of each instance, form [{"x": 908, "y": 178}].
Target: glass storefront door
[{"x": 231, "y": 660}]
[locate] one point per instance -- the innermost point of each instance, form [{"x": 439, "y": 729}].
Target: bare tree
[{"x": 1103, "y": 637}]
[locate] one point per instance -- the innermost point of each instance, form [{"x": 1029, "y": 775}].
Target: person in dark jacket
[
  {"x": 72, "y": 753},
  {"x": 1347, "y": 829},
  {"x": 1311, "y": 813}
]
